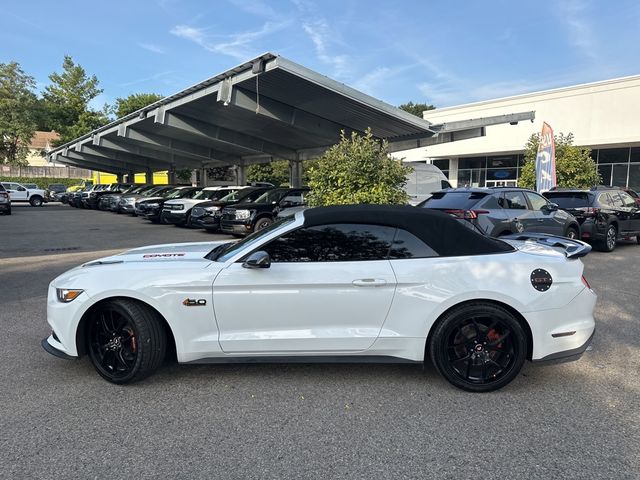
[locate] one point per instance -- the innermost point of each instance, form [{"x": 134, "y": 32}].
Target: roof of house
[{"x": 42, "y": 140}]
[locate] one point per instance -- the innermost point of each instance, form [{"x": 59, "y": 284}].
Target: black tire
[
  {"x": 261, "y": 223},
  {"x": 126, "y": 341},
  {"x": 478, "y": 347},
  {"x": 36, "y": 201},
  {"x": 637, "y": 236},
  {"x": 610, "y": 239},
  {"x": 572, "y": 233},
  {"x": 9, "y": 213}
]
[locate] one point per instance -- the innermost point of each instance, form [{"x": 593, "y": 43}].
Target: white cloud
[
  {"x": 238, "y": 45},
  {"x": 152, "y": 48},
  {"x": 322, "y": 37},
  {"x": 582, "y": 35}
]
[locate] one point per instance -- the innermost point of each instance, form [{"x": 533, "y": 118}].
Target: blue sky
[{"x": 445, "y": 53}]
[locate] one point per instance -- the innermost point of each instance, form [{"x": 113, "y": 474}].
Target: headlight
[
  {"x": 66, "y": 295},
  {"x": 153, "y": 205},
  {"x": 212, "y": 209},
  {"x": 130, "y": 200},
  {"x": 243, "y": 214}
]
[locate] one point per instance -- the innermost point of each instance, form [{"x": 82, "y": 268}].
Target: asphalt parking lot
[{"x": 60, "y": 420}]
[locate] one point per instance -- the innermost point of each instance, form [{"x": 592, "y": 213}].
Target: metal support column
[
  {"x": 171, "y": 174},
  {"x": 204, "y": 179},
  {"x": 120, "y": 178},
  {"x": 131, "y": 176},
  {"x": 295, "y": 172},
  {"x": 148, "y": 176},
  {"x": 241, "y": 174}
]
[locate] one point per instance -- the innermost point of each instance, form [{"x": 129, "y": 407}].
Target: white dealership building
[{"x": 603, "y": 116}]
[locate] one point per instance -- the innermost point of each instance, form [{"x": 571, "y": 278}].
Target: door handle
[
  {"x": 541, "y": 219},
  {"x": 369, "y": 282}
]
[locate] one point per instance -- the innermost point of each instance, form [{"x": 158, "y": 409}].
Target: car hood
[
  {"x": 151, "y": 199},
  {"x": 173, "y": 252},
  {"x": 250, "y": 205}
]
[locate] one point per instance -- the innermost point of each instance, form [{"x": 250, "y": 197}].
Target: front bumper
[
  {"x": 237, "y": 227},
  {"x": 53, "y": 350},
  {"x": 208, "y": 222},
  {"x": 126, "y": 208},
  {"x": 175, "y": 218}
]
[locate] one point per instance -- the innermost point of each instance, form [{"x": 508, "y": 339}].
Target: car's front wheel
[
  {"x": 126, "y": 341},
  {"x": 261, "y": 223},
  {"x": 478, "y": 347}
]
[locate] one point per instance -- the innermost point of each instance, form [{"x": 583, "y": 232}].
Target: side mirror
[
  {"x": 552, "y": 207},
  {"x": 259, "y": 259}
]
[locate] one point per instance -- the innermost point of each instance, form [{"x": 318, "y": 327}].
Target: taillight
[
  {"x": 586, "y": 284},
  {"x": 589, "y": 211},
  {"x": 467, "y": 214},
  {"x": 4, "y": 194}
]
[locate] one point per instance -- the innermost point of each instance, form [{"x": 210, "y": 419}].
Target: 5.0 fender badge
[
  {"x": 541, "y": 280},
  {"x": 192, "y": 302}
]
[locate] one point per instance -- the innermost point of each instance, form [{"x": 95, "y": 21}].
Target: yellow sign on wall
[{"x": 159, "y": 178}]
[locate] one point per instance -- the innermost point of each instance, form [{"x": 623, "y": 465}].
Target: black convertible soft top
[{"x": 442, "y": 232}]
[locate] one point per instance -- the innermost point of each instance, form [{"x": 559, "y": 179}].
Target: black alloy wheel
[
  {"x": 572, "y": 233},
  {"x": 126, "y": 341},
  {"x": 261, "y": 223},
  {"x": 610, "y": 239},
  {"x": 478, "y": 347}
]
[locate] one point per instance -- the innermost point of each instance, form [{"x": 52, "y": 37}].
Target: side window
[
  {"x": 407, "y": 245},
  {"x": 491, "y": 202},
  {"x": 444, "y": 184},
  {"x": 537, "y": 201},
  {"x": 332, "y": 243},
  {"x": 294, "y": 199},
  {"x": 604, "y": 199},
  {"x": 514, "y": 201},
  {"x": 627, "y": 200},
  {"x": 617, "y": 201}
]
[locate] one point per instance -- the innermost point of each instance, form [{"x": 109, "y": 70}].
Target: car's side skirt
[{"x": 306, "y": 359}]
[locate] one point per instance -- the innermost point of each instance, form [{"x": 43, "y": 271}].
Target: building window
[
  {"x": 635, "y": 155},
  {"x": 472, "y": 162},
  {"x": 605, "y": 173},
  {"x": 502, "y": 161},
  {"x": 441, "y": 164},
  {"x": 634, "y": 177},
  {"x": 613, "y": 155}
]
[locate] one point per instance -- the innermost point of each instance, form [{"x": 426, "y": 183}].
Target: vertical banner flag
[{"x": 546, "y": 160}]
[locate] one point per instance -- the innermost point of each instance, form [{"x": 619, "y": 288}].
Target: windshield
[
  {"x": 212, "y": 194},
  {"x": 153, "y": 191},
  {"x": 230, "y": 249},
  {"x": 272, "y": 196},
  {"x": 173, "y": 193}
]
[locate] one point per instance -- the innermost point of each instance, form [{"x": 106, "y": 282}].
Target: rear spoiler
[{"x": 572, "y": 248}]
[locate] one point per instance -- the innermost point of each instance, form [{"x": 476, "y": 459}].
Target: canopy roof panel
[{"x": 266, "y": 108}]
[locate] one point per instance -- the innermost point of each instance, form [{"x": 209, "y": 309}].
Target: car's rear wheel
[
  {"x": 572, "y": 233},
  {"x": 478, "y": 347},
  {"x": 36, "y": 201},
  {"x": 610, "y": 238},
  {"x": 126, "y": 341}
]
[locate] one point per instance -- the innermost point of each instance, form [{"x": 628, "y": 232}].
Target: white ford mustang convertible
[{"x": 332, "y": 284}]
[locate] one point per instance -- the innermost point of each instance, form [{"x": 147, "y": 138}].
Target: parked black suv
[
  {"x": 207, "y": 214},
  {"x": 505, "y": 210},
  {"x": 244, "y": 218},
  {"x": 605, "y": 214}
]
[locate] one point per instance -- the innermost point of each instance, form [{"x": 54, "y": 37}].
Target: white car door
[
  {"x": 328, "y": 290},
  {"x": 17, "y": 192}
]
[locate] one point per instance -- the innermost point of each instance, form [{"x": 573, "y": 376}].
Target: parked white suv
[
  {"x": 19, "y": 193},
  {"x": 178, "y": 211}
]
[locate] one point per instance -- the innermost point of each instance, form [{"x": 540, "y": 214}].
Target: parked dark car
[
  {"x": 505, "y": 210},
  {"x": 75, "y": 199},
  {"x": 244, "y": 218},
  {"x": 93, "y": 200},
  {"x": 109, "y": 201},
  {"x": 86, "y": 196},
  {"x": 207, "y": 214},
  {"x": 56, "y": 191},
  {"x": 127, "y": 202},
  {"x": 605, "y": 214},
  {"x": 151, "y": 208},
  {"x": 5, "y": 201}
]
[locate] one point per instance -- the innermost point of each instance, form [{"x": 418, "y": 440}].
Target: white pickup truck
[{"x": 19, "y": 193}]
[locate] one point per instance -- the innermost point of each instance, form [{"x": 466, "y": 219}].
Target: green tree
[
  {"x": 574, "y": 166},
  {"x": 416, "y": 108},
  {"x": 134, "y": 102},
  {"x": 276, "y": 172},
  {"x": 67, "y": 101},
  {"x": 358, "y": 170},
  {"x": 17, "y": 123}
]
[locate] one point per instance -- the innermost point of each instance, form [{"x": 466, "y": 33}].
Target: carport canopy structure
[{"x": 265, "y": 109}]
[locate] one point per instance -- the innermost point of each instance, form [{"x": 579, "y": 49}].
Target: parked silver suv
[
  {"x": 505, "y": 210},
  {"x": 5, "y": 201}
]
